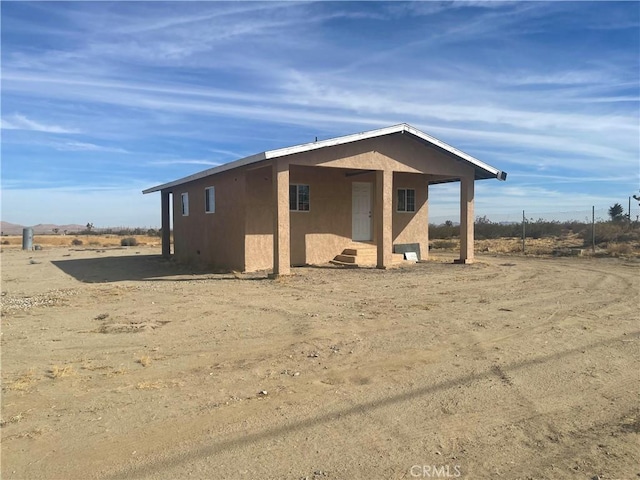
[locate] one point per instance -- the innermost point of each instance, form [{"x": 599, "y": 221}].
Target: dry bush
[
  {"x": 13, "y": 419},
  {"x": 149, "y": 385},
  {"x": 145, "y": 360},
  {"x": 117, "y": 371},
  {"x": 128, "y": 242},
  {"x": 76, "y": 242},
  {"x": 614, "y": 248},
  {"x": 444, "y": 244},
  {"x": 23, "y": 382},
  {"x": 89, "y": 366},
  {"x": 65, "y": 240},
  {"x": 57, "y": 371},
  {"x": 612, "y": 232}
]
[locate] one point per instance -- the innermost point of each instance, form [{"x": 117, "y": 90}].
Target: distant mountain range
[{"x": 40, "y": 229}]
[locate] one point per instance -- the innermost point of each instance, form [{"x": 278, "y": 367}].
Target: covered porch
[{"x": 376, "y": 221}]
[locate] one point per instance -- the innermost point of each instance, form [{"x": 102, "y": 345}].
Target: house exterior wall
[
  {"x": 397, "y": 152},
  {"x": 215, "y": 239},
  {"x": 318, "y": 235},
  {"x": 239, "y": 235},
  {"x": 412, "y": 227},
  {"x": 258, "y": 221}
]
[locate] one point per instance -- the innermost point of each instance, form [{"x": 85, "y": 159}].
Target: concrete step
[
  {"x": 346, "y": 258},
  {"x": 343, "y": 264},
  {"x": 363, "y": 254},
  {"x": 360, "y": 250}
]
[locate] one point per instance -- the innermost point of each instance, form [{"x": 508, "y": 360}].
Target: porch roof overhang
[{"x": 482, "y": 170}]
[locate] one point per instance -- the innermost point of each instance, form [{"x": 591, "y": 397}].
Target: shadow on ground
[{"x": 143, "y": 268}]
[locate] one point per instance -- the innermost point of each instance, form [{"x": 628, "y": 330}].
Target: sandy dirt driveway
[{"x": 117, "y": 364}]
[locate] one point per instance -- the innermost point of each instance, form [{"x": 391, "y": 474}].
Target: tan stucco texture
[{"x": 240, "y": 234}]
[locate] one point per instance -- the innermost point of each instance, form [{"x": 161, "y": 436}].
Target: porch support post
[
  {"x": 165, "y": 224},
  {"x": 466, "y": 219},
  {"x": 384, "y": 217},
  {"x": 424, "y": 249},
  {"x": 281, "y": 221}
]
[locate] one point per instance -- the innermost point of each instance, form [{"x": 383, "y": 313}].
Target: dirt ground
[{"x": 117, "y": 364}]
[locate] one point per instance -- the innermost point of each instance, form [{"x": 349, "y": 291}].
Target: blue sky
[{"x": 103, "y": 99}]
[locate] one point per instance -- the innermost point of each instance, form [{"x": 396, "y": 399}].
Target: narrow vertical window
[
  {"x": 402, "y": 200},
  {"x": 293, "y": 197},
  {"x": 303, "y": 198},
  {"x": 411, "y": 200},
  {"x": 210, "y": 200},
  {"x": 184, "y": 197},
  {"x": 406, "y": 200},
  {"x": 299, "y": 198}
]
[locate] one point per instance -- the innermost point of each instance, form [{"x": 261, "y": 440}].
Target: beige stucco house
[{"x": 308, "y": 203}]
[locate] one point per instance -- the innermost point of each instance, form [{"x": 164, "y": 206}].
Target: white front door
[{"x": 361, "y": 211}]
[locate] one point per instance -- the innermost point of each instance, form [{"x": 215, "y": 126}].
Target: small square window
[
  {"x": 299, "y": 199},
  {"x": 406, "y": 200},
  {"x": 210, "y": 200},
  {"x": 184, "y": 197}
]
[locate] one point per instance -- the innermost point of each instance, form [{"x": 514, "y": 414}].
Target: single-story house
[{"x": 307, "y": 203}]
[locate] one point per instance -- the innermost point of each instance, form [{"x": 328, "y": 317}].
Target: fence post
[
  {"x": 524, "y": 231},
  {"x": 593, "y": 228}
]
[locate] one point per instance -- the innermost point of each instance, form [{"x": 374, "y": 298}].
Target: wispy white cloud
[
  {"x": 87, "y": 147},
  {"x": 183, "y": 162},
  {"x": 229, "y": 153},
  {"x": 21, "y": 122},
  {"x": 569, "y": 130},
  {"x": 203, "y": 83}
]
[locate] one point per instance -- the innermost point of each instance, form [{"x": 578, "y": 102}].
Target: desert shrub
[
  {"x": 630, "y": 236},
  {"x": 444, "y": 231},
  {"x": 607, "y": 232},
  {"x": 129, "y": 242},
  {"x": 542, "y": 228},
  {"x": 444, "y": 244},
  {"x": 619, "y": 248},
  {"x": 76, "y": 241},
  {"x": 5, "y": 242}
]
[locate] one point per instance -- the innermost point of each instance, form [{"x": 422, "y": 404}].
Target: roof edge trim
[{"x": 306, "y": 147}]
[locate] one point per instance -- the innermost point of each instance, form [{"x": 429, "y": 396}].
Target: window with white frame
[
  {"x": 299, "y": 198},
  {"x": 210, "y": 200},
  {"x": 184, "y": 198},
  {"x": 406, "y": 200}
]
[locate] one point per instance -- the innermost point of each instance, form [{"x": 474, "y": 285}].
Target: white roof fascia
[
  {"x": 211, "y": 171},
  {"x": 449, "y": 148},
  {"x": 331, "y": 142},
  {"x": 306, "y": 147}
]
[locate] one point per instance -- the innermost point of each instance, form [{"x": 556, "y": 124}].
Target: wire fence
[
  {"x": 531, "y": 215},
  {"x": 592, "y": 227}
]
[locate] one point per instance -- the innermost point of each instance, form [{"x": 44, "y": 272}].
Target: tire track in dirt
[{"x": 203, "y": 451}]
